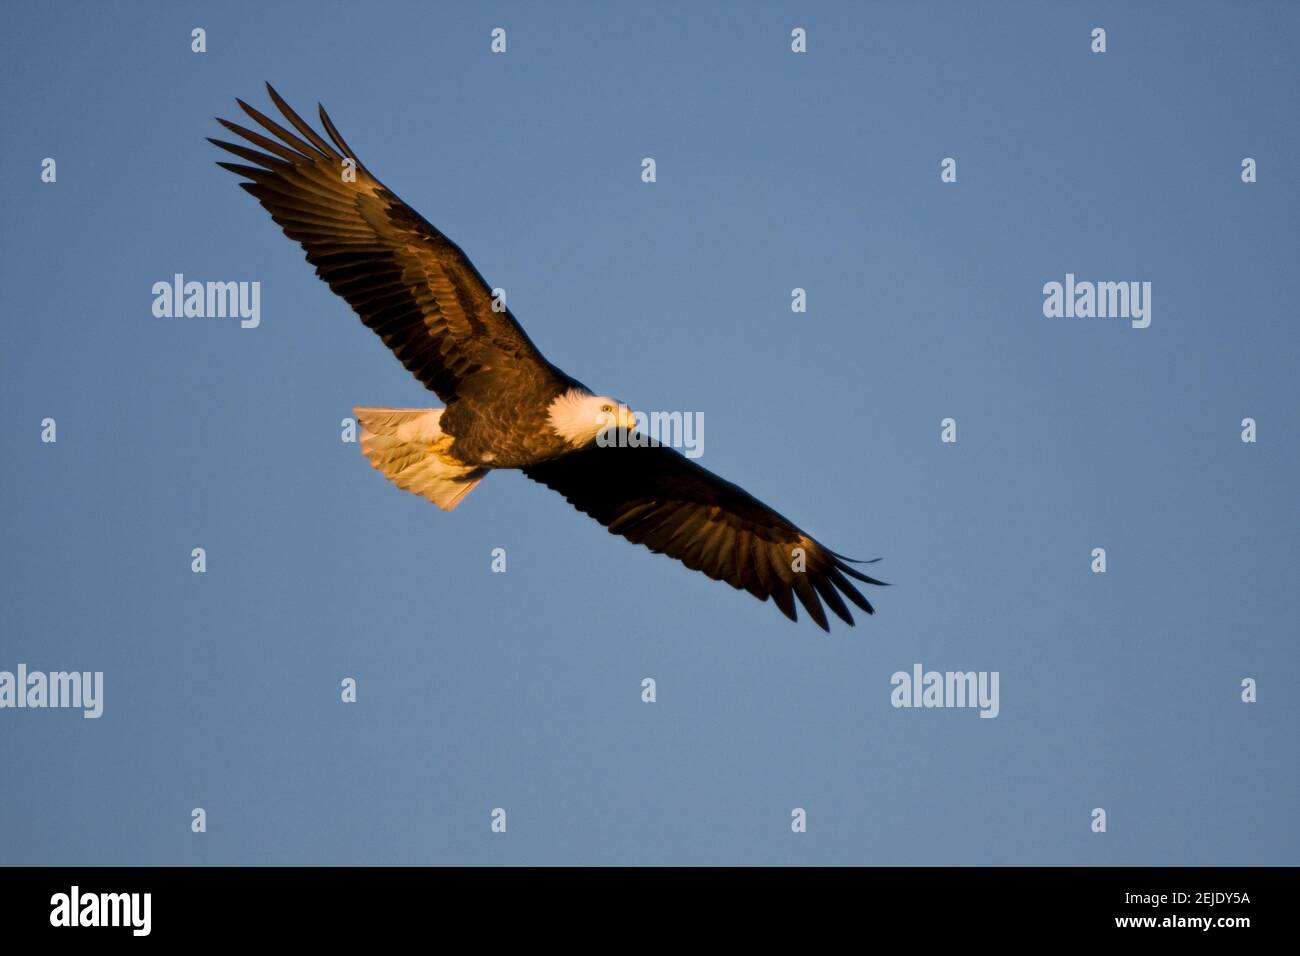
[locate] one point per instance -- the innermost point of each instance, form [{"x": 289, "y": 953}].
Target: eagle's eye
[{"x": 607, "y": 408}]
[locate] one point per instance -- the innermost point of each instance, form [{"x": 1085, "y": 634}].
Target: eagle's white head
[{"x": 577, "y": 416}]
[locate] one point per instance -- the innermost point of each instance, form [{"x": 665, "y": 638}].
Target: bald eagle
[{"x": 506, "y": 405}]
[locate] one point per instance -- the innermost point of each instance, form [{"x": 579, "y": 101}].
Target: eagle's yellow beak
[{"x": 627, "y": 418}]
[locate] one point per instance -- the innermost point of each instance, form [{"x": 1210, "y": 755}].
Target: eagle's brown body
[{"x": 510, "y": 428}]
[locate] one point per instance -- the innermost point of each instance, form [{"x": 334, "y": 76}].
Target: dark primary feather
[
  {"x": 654, "y": 496},
  {"x": 407, "y": 281}
]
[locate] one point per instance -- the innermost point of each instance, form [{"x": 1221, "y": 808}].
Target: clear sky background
[{"x": 522, "y": 690}]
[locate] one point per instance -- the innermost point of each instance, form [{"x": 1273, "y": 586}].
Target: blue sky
[{"x": 522, "y": 690}]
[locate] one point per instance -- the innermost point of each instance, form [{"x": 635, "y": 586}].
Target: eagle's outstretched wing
[
  {"x": 408, "y": 282},
  {"x": 654, "y": 496}
]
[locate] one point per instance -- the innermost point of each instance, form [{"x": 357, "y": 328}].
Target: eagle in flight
[{"x": 506, "y": 405}]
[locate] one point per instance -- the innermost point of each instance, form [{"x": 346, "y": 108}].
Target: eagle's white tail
[{"x": 409, "y": 447}]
